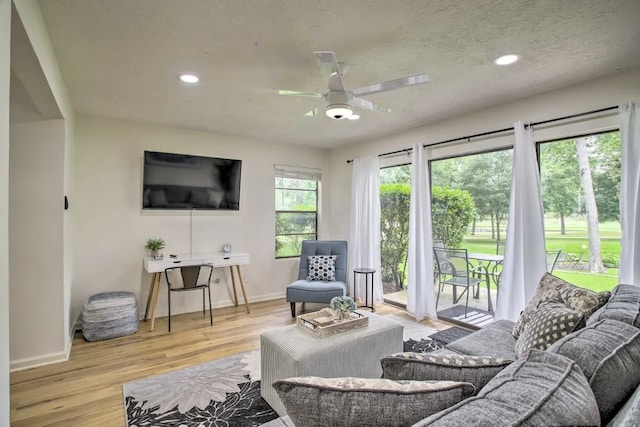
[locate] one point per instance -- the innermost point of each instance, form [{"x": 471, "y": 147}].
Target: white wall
[
  {"x": 609, "y": 91},
  {"x": 43, "y": 339},
  {"x": 110, "y": 229},
  {"x": 36, "y": 251},
  {"x": 5, "y": 59}
]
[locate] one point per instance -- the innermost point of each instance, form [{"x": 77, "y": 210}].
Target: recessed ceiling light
[
  {"x": 189, "y": 78},
  {"x": 353, "y": 117},
  {"x": 506, "y": 59}
]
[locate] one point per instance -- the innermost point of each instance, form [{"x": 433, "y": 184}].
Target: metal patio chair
[{"x": 454, "y": 269}]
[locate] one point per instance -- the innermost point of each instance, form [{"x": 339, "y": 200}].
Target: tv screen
[{"x": 181, "y": 181}]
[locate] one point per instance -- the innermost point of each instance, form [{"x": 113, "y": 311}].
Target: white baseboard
[
  {"x": 63, "y": 356},
  {"x": 34, "y": 362}
]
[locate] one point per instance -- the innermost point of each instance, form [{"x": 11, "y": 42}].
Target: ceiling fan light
[{"x": 339, "y": 111}]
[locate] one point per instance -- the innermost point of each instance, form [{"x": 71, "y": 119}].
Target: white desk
[{"x": 217, "y": 259}]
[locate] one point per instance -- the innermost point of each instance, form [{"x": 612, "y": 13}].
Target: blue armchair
[{"x": 319, "y": 291}]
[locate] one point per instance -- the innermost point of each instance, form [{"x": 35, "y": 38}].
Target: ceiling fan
[{"x": 340, "y": 101}]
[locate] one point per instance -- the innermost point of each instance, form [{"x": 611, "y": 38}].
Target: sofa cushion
[
  {"x": 315, "y": 401},
  {"x": 158, "y": 198},
  {"x": 608, "y": 352},
  {"x": 623, "y": 305},
  {"x": 555, "y": 290},
  {"x": 550, "y": 322},
  {"x": 495, "y": 341},
  {"x": 198, "y": 197},
  {"x": 477, "y": 370},
  {"x": 538, "y": 389},
  {"x": 322, "y": 268}
]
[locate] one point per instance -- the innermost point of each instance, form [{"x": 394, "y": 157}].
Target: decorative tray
[{"x": 323, "y": 327}]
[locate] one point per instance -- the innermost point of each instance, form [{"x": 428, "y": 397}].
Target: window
[
  {"x": 296, "y": 209},
  {"x": 470, "y": 200},
  {"x": 580, "y": 180}
]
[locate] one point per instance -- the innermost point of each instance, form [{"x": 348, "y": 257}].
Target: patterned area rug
[
  {"x": 226, "y": 392},
  {"x": 223, "y": 392}
]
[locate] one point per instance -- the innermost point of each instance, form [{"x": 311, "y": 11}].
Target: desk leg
[
  {"x": 233, "y": 282},
  {"x": 151, "y": 285},
  {"x": 154, "y": 304},
  {"x": 244, "y": 294}
]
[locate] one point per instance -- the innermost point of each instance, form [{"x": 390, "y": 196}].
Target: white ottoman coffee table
[{"x": 294, "y": 352}]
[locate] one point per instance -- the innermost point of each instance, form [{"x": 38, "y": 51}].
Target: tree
[
  {"x": 593, "y": 228},
  {"x": 487, "y": 177},
  {"x": 451, "y": 211},
  {"x": 605, "y": 169},
  {"x": 394, "y": 232},
  {"x": 560, "y": 180}
]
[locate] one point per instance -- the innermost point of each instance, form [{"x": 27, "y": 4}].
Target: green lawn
[{"x": 571, "y": 242}]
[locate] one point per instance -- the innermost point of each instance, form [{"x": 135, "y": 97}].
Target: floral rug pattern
[{"x": 223, "y": 392}]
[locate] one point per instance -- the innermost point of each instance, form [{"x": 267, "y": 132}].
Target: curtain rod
[{"x": 493, "y": 132}]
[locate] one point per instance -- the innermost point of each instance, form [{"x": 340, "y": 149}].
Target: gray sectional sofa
[{"x": 588, "y": 374}]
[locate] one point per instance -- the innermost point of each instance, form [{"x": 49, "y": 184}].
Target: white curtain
[
  {"x": 524, "y": 257},
  {"x": 421, "y": 300},
  {"x": 364, "y": 234},
  {"x": 629, "y": 272}
]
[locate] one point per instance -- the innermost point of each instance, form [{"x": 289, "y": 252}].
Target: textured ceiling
[{"x": 120, "y": 58}]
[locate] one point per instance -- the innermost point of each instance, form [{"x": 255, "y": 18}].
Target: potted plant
[
  {"x": 343, "y": 307},
  {"x": 154, "y": 245}
]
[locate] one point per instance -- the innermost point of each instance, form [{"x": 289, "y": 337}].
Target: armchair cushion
[
  {"x": 314, "y": 401},
  {"x": 478, "y": 370},
  {"x": 314, "y": 291},
  {"x": 321, "y": 267}
]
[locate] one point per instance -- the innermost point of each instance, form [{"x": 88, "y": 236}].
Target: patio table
[{"x": 492, "y": 263}]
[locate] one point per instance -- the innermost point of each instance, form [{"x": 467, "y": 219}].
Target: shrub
[{"x": 452, "y": 211}]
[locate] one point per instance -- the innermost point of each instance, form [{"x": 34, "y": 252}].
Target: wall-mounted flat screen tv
[{"x": 182, "y": 181}]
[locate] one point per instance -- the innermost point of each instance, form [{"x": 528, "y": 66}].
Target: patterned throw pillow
[
  {"x": 314, "y": 401},
  {"x": 322, "y": 267},
  {"x": 550, "y": 322},
  {"x": 555, "y": 290},
  {"x": 477, "y": 370}
]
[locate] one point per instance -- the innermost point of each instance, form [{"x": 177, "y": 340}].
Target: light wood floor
[{"x": 87, "y": 390}]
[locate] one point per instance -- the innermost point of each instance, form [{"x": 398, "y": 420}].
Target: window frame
[{"x": 292, "y": 172}]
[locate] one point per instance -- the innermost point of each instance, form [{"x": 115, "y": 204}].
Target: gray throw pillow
[
  {"x": 608, "y": 352},
  {"x": 552, "y": 289},
  {"x": 314, "y": 401},
  {"x": 549, "y": 323},
  {"x": 322, "y": 268},
  {"x": 623, "y": 305},
  {"x": 477, "y": 370},
  {"x": 539, "y": 389}
]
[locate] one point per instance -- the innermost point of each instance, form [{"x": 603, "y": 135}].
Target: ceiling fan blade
[
  {"x": 368, "y": 105},
  {"x": 296, "y": 93},
  {"x": 392, "y": 84},
  {"x": 330, "y": 69},
  {"x": 311, "y": 113}
]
